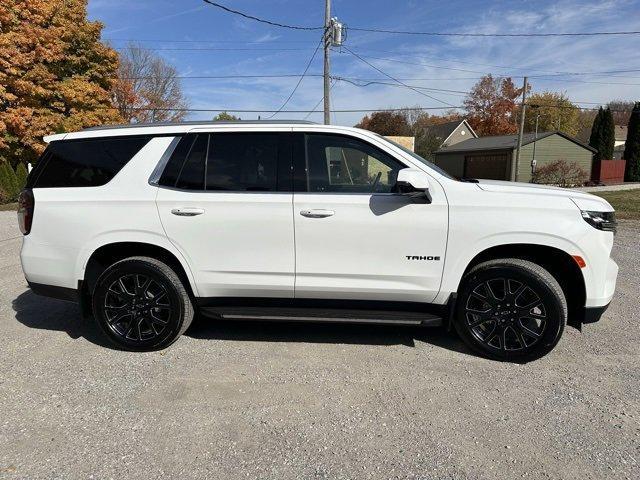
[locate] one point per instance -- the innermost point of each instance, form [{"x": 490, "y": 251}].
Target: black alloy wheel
[
  {"x": 141, "y": 304},
  {"x": 510, "y": 309},
  {"x": 137, "y": 307}
]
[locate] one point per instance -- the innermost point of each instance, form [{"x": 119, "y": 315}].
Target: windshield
[{"x": 419, "y": 158}]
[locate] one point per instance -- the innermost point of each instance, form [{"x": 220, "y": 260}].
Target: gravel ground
[{"x": 312, "y": 401}]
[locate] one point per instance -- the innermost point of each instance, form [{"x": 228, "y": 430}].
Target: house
[
  {"x": 491, "y": 157},
  {"x": 621, "y": 140},
  {"x": 451, "y": 133},
  {"x": 407, "y": 142},
  {"x": 621, "y": 135}
]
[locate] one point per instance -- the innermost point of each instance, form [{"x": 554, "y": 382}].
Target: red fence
[{"x": 608, "y": 171}]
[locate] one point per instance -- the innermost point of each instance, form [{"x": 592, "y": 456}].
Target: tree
[
  {"x": 426, "y": 143},
  {"x": 608, "y": 135},
  {"x": 55, "y": 74},
  {"x": 595, "y": 140},
  {"x": 8, "y": 182},
  {"x": 225, "y": 117},
  {"x": 554, "y": 111},
  {"x": 386, "y": 123},
  {"x": 21, "y": 175},
  {"x": 491, "y": 106},
  {"x": 410, "y": 121},
  {"x": 632, "y": 147},
  {"x": 603, "y": 135},
  {"x": 148, "y": 88},
  {"x": 621, "y": 110}
]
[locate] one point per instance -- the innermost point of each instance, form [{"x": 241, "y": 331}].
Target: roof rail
[{"x": 206, "y": 122}]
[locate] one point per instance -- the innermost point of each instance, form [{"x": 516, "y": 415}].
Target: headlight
[{"x": 605, "y": 221}]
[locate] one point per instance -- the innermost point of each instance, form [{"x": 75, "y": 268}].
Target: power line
[
  {"x": 375, "y": 82},
  {"x": 425, "y": 79},
  {"x": 220, "y": 49},
  {"x": 261, "y": 20},
  {"x": 609, "y": 72},
  {"x": 158, "y": 40},
  {"x": 223, "y": 77},
  {"x": 236, "y": 110},
  {"x": 395, "y": 79},
  {"x": 319, "y": 102},
  {"x": 366, "y": 110},
  {"x": 470, "y": 34},
  {"x": 433, "y": 34},
  {"x": 301, "y": 76},
  {"x": 448, "y": 60}
]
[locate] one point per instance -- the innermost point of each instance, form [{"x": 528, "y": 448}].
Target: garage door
[{"x": 493, "y": 167}]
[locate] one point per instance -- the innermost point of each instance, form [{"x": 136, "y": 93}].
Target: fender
[
  {"x": 456, "y": 263},
  {"x": 135, "y": 236}
]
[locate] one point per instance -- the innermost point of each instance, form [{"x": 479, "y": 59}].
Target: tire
[
  {"x": 510, "y": 310},
  {"x": 141, "y": 304}
]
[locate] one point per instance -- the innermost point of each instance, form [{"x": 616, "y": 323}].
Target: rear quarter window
[{"x": 84, "y": 163}]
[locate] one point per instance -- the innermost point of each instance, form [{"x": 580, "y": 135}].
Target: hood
[{"x": 584, "y": 200}]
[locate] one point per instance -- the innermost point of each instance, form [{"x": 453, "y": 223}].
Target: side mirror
[{"x": 414, "y": 184}]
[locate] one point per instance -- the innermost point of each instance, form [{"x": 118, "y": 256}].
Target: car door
[
  {"x": 225, "y": 202},
  {"x": 355, "y": 239}
]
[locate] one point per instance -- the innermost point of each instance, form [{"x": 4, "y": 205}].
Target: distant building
[
  {"x": 406, "y": 142},
  {"x": 451, "y": 133},
  {"x": 491, "y": 157},
  {"x": 621, "y": 140},
  {"x": 621, "y": 135}
]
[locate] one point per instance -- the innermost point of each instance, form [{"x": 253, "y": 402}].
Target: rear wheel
[
  {"x": 510, "y": 309},
  {"x": 141, "y": 304}
]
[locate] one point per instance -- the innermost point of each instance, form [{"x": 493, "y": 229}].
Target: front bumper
[
  {"x": 603, "y": 287},
  {"x": 593, "y": 314}
]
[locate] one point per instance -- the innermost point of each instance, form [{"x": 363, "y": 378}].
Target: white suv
[{"x": 146, "y": 224}]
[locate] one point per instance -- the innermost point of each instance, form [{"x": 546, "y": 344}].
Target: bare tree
[
  {"x": 621, "y": 111},
  {"x": 148, "y": 88}
]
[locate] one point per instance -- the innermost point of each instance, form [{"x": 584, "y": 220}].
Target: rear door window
[
  {"x": 85, "y": 163},
  {"x": 243, "y": 162},
  {"x": 191, "y": 176}
]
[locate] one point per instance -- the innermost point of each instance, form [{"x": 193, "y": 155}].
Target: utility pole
[
  {"x": 327, "y": 44},
  {"x": 515, "y": 165},
  {"x": 534, "y": 162}
]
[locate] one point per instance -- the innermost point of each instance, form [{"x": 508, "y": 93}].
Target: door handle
[
  {"x": 187, "y": 212},
  {"x": 318, "y": 213}
]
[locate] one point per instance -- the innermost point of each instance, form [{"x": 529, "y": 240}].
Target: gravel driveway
[{"x": 279, "y": 401}]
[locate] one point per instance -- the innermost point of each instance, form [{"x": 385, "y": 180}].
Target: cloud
[
  {"x": 535, "y": 57},
  {"x": 267, "y": 37},
  {"x": 158, "y": 19}
]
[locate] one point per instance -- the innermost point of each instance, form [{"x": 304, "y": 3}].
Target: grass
[
  {"x": 9, "y": 207},
  {"x": 626, "y": 202}
]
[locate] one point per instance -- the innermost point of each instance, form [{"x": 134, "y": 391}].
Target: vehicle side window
[
  {"x": 191, "y": 176},
  {"x": 243, "y": 162},
  {"x": 171, "y": 171},
  {"x": 342, "y": 164},
  {"x": 85, "y": 163}
]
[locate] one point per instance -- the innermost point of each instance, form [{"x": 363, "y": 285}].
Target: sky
[{"x": 200, "y": 40}]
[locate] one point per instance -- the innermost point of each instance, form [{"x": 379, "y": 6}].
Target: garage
[
  {"x": 490, "y": 157},
  {"x": 493, "y": 167}
]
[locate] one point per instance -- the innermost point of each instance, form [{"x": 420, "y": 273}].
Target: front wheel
[
  {"x": 141, "y": 304},
  {"x": 510, "y": 309}
]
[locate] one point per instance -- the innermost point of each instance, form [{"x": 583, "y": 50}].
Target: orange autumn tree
[
  {"x": 492, "y": 107},
  {"x": 55, "y": 74}
]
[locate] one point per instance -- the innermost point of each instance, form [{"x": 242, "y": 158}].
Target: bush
[
  {"x": 560, "y": 173},
  {"x": 8, "y": 183},
  {"x": 21, "y": 175}
]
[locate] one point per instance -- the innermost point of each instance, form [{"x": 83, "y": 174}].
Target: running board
[{"x": 324, "y": 315}]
